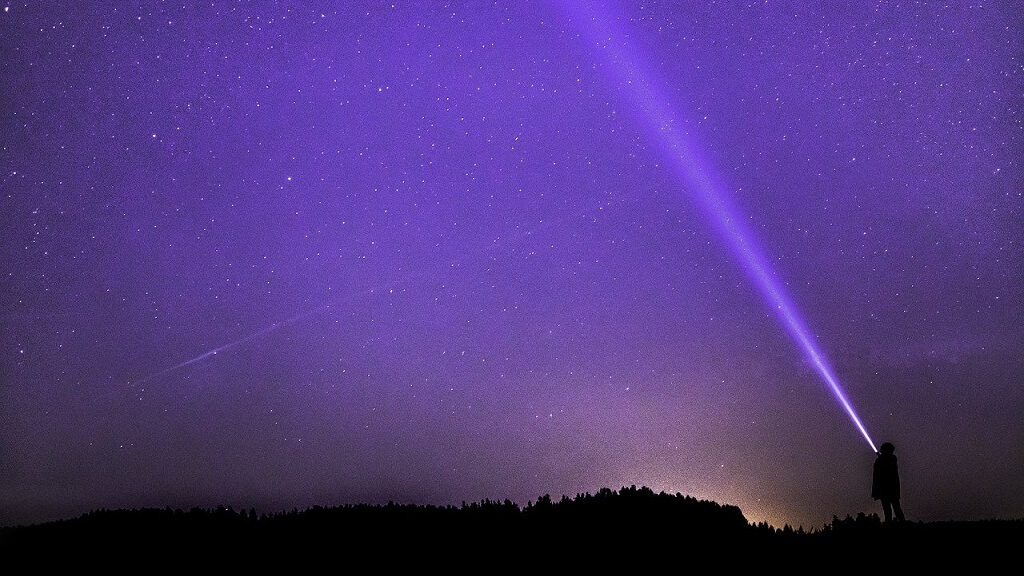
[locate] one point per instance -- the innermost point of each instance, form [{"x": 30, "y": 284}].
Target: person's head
[{"x": 886, "y": 448}]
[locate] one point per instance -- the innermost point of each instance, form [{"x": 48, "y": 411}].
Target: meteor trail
[
  {"x": 636, "y": 86},
  {"x": 520, "y": 235},
  {"x": 262, "y": 332}
]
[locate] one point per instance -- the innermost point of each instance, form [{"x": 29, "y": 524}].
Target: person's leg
[
  {"x": 898, "y": 510},
  {"x": 887, "y": 509}
]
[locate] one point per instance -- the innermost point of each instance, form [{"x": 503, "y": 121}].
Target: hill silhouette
[{"x": 632, "y": 526}]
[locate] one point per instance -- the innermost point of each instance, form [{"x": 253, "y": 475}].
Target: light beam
[{"x": 636, "y": 86}]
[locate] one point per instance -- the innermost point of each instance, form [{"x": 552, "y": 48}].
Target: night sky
[{"x": 276, "y": 256}]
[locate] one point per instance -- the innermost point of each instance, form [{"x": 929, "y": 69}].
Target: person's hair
[{"x": 887, "y": 448}]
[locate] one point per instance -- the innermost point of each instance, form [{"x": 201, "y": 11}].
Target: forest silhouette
[{"x": 601, "y": 530}]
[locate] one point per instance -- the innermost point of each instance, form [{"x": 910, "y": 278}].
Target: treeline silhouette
[{"x": 632, "y": 524}]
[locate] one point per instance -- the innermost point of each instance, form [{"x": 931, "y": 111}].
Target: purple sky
[{"x": 444, "y": 253}]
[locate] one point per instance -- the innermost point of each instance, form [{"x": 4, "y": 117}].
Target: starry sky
[{"x": 284, "y": 254}]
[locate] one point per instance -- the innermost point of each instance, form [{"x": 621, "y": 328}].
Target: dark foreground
[{"x": 633, "y": 528}]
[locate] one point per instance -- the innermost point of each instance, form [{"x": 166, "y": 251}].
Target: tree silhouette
[{"x": 628, "y": 528}]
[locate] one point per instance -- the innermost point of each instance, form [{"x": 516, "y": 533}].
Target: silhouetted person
[{"x": 885, "y": 483}]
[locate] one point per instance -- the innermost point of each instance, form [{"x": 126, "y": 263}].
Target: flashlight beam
[{"x": 636, "y": 87}]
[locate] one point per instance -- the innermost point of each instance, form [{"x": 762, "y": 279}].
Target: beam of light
[{"x": 636, "y": 86}]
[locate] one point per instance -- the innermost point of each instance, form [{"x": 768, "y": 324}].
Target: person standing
[{"x": 885, "y": 483}]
